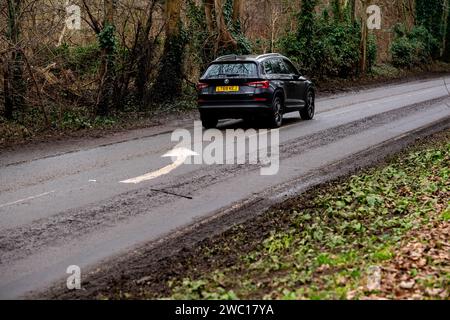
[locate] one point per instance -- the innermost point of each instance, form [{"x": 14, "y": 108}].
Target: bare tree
[
  {"x": 445, "y": 26},
  {"x": 13, "y": 80},
  {"x": 352, "y": 5},
  {"x": 224, "y": 39},
  {"x": 219, "y": 29},
  {"x": 446, "y": 55},
  {"x": 170, "y": 77},
  {"x": 238, "y": 8},
  {"x": 209, "y": 13},
  {"x": 107, "y": 44},
  {"x": 144, "y": 49},
  {"x": 364, "y": 37}
]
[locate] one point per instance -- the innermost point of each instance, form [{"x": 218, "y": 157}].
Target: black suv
[{"x": 248, "y": 87}]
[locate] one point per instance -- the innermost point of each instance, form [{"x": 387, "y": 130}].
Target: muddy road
[{"x": 68, "y": 204}]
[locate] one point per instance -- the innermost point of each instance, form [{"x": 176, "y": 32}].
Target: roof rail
[
  {"x": 227, "y": 57},
  {"x": 266, "y": 55}
]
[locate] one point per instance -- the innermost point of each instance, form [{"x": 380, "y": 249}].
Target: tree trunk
[
  {"x": 339, "y": 7},
  {"x": 14, "y": 83},
  {"x": 107, "y": 44},
  {"x": 9, "y": 101},
  {"x": 352, "y": 4},
  {"x": 170, "y": 78},
  {"x": 445, "y": 17},
  {"x": 209, "y": 13},
  {"x": 224, "y": 39},
  {"x": 238, "y": 9},
  {"x": 143, "y": 57},
  {"x": 173, "y": 18},
  {"x": 364, "y": 37},
  {"x": 446, "y": 54}
]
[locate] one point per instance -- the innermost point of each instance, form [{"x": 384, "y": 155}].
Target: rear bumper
[{"x": 234, "y": 111}]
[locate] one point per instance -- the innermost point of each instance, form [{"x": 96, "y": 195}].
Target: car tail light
[
  {"x": 259, "y": 84},
  {"x": 202, "y": 85}
]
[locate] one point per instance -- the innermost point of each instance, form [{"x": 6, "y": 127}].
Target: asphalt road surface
[{"x": 68, "y": 206}]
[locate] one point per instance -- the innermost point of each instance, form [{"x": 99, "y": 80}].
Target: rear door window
[
  {"x": 268, "y": 67},
  {"x": 283, "y": 67},
  {"x": 232, "y": 70},
  {"x": 276, "y": 66},
  {"x": 290, "y": 67}
]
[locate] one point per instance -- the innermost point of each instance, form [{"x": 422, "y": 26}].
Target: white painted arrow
[{"x": 181, "y": 154}]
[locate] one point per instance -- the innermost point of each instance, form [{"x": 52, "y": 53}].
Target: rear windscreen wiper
[{"x": 230, "y": 75}]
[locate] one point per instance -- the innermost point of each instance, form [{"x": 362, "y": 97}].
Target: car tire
[
  {"x": 275, "y": 119},
  {"x": 209, "y": 122},
  {"x": 308, "y": 112}
]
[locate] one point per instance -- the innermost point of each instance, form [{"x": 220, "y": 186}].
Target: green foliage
[
  {"x": 79, "y": 119},
  {"x": 74, "y": 121},
  {"x": 372, "y": 50},
  {"x": 198, "y": 35},
  {"x": 323, "y": 46},
  {"x": 83, "y": 60},
  {"x": 244, "y": 45},
  {"x": 403, "y": 53},
  {"x": 202, "y": 43},
  {"x": 410, "y": 49},
  {"x": 108, "y": 43},
  {"x": 169, "y": 82},
  {"x": 107, "y": 38},
  {"x": 446, "y": 52},
  {"x": 306, "y": 33},
  {"x": 429, "y": 15},
  {"x": 446, "y": 215}
]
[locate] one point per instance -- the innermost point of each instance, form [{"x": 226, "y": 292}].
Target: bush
[
  {"x": 403, "y": 53},
  {"x": 429, "y": 44},
  {"x": 429, "y": 14},
  {"x": 332, "y": 48},
  {"x": 340, "y": 44},
  {"x": 410, "y": 49},
  {"x": 372, "y": 51},
  {"x": 80, "y": 59}
]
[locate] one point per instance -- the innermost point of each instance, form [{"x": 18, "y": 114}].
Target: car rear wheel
[
  {"x": 308, "y": 112},
  {"x": 209, "y": 122},
  {"x": 276, "y": 114}
]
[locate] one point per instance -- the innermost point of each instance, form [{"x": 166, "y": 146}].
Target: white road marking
[
  {"x": 181, "y": 154},
  {"x": 92, "y": 180},
  {"x": 27, "y": 199}
]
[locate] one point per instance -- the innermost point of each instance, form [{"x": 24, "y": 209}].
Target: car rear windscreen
[{"x": 232, "y": 70}]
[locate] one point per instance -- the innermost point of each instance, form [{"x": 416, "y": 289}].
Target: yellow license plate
[{"x": 227, "y": 89}]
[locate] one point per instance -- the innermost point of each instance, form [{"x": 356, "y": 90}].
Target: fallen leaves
[
  {"x": 407, "y": 284},
  {"x": 421, "y": 266}
]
